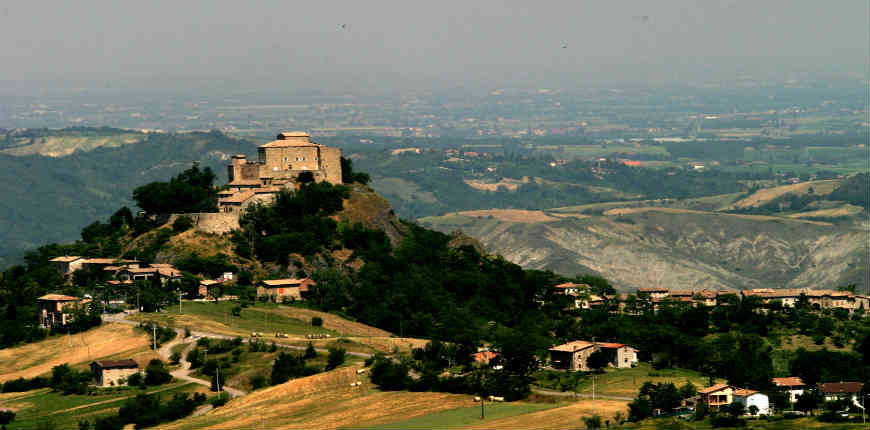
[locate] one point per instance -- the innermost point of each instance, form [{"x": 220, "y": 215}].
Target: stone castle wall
[{"x": 212, "y": 222}]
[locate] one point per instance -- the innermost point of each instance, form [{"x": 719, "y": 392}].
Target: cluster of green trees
[
  {"x": 147, "y": 410},
  {"x": 191, "y": 191},
  {"x": 665, "y": 397},
  {"x": 298, "y": 221},
  {"x": 718, "y": 342}
]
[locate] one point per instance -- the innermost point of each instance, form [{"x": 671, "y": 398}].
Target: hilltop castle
[{"x": 279, "y": 164}]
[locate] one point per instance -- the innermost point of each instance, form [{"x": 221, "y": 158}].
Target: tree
[
  {"x": 336, "y": 358},
  {"x": 597, "y": 360},
  {"x": 191, "y": 191},
  {"x": 807, "y": 402},
  {"x": 310, "y": 352},
  {"x": 593, "y": 422},
  {"x": 6, "y": 417},
  {"x": 753, "y": 410},
  {"x": 156, "y": 373},
  {"x": 305, "y": 178},
  {"x": 688, "y": 391},
  {"x": 389, "y": 375}
]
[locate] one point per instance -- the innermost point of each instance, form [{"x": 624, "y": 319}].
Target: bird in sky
[
  {"x": 342, "y": 26},
  {"x": 564, "y": 45}
]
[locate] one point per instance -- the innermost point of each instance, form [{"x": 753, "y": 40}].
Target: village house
[
  {"x": 619, "y": 355},
  {"x": 751, "y": 398},
  {"x": 573, "y": 355},
  {"x": 654, "y": 293},
  {"x": 109, "y": 373},
  {"x": 165, "y": 272},
  {"x": 717, "y": 395},
  {"x": 67, "y": 264},
  {"x": 793, "y": 385},
  {"x": 841, "y": 390},
  {"x": 56, "y": 309},
  {"x": 278, "y": 289},
  {"x": 484, "y": 357}
]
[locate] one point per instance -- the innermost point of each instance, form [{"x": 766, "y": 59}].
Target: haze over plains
[{"x": 386, "y": 45}]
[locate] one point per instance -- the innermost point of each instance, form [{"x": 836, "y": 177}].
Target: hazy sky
[{"x": 437, "y": 43}]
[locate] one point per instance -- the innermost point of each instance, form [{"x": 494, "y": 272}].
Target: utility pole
[
  {"x": 482, "y": 408},
  {"x": 593, "y": 373},
  {"x": 179, "y": 301},
  {"x": 154, "y": 331}
]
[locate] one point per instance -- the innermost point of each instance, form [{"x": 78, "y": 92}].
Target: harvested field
[
  {"x": 630, "y": 211},
  {"x": 507, "y": 183},
  {"x": 763, "y": 196},
  {"x": 322, "y": 401},
  {"x": 570, "y": 416},
  {"x": 511, "y": 215},
  {"x": 331, "y": 322},
  {"x": 842, "y": 211},
  {"x": 108, "y": 340}
]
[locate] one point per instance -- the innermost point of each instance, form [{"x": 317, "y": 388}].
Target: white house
[
  {"x": 753, "y": 398},
  {"x": 793, "y": 385}
]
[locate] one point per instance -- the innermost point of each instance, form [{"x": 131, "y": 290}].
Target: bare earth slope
[{"x": 670, "y": 247}]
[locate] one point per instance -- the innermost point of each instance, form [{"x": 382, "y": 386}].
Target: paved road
[{"x": 576, "y": 395}]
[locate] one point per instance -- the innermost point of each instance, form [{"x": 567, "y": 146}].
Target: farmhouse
[
  {"x": 717, "y": 395},
  {"x": 619, "y": 355},
  {"x": 751, "y": 398},
  {"x": 67, "y": 264},
  {"x": 793, "y": 385},
  {"x": 56, "y": 309},
  {"x": 278, "y": 289},
  {"x": 113, "y": 372},
  {"x": 573, "y": 355},
  {"x": 841, "y": 390}
]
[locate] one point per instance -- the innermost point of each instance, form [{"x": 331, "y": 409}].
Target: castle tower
[{"x": 234, "y": 170}]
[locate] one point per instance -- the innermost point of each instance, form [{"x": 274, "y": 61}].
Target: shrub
[
  {"x": 258, "y": 381},
  {"x": 335, "y": 359},
  {"x": 182, "y": 223},
  {"x": 221, "y": 399},
  {"x": 156, "y": 373},
  {"x": 6, "y": 417},
  {"x": 593, "y": 422},
  {"x": 237, "y": 311},
  {"x": 134, "y": 379},
  {"x": 317, "y": 321},
  {"x": 310, "y": 352},
  {"x": 175, "y": 358}
]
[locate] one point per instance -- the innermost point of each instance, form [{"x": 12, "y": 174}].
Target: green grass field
[
  {"x": 218, "y": 317},
  {"x": 461, "y": 417},
  {"x": 760, "y": 424},
  {"x": 46, "y": 409},
  {"x": 626, "y": 382}
]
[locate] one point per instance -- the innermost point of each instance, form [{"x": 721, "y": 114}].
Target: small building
[
  {"x": 484, "y": 357},
  {"x": 55, "y": 310},
  {"x": 278, "y": 289},
  {"x": 717, "y": 395},
  {"x": 569, "y": 288},
  {"x": 109, "y": 373},
  {"x": 793, "y": 385},
  {"x": 654, "y": 293},
  {"x": 207, "y": 284},
  {"x": 841, "y": 390},
  {"x": 572, "y": 355},
  {"x": 751, "y": 398},
  {"x": 67, "y": 264},
  {"x": 620, "y": 355}
]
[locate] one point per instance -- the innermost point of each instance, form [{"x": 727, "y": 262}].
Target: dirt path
[{"x": 183, "y": 372}]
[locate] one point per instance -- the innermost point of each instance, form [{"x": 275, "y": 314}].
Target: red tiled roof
[
  {"x": 841, "y": 387},
  {"x": 572, "y": 346},
  {"x": 117, "y": 364},
  {"x": 611, "y": 345},
  {"x": 58, "y": 298},
  {"x": 743, "y": 392},
  {"x": 791, "y": 381},
  {"x": 714, "y": 388},
  {"x": 484, "y": 356}
]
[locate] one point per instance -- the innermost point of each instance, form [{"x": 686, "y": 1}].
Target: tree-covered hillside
[{"x": 50, "y": 199}]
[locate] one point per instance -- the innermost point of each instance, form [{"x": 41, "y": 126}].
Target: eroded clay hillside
[{"x": 667, "y": 247}]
